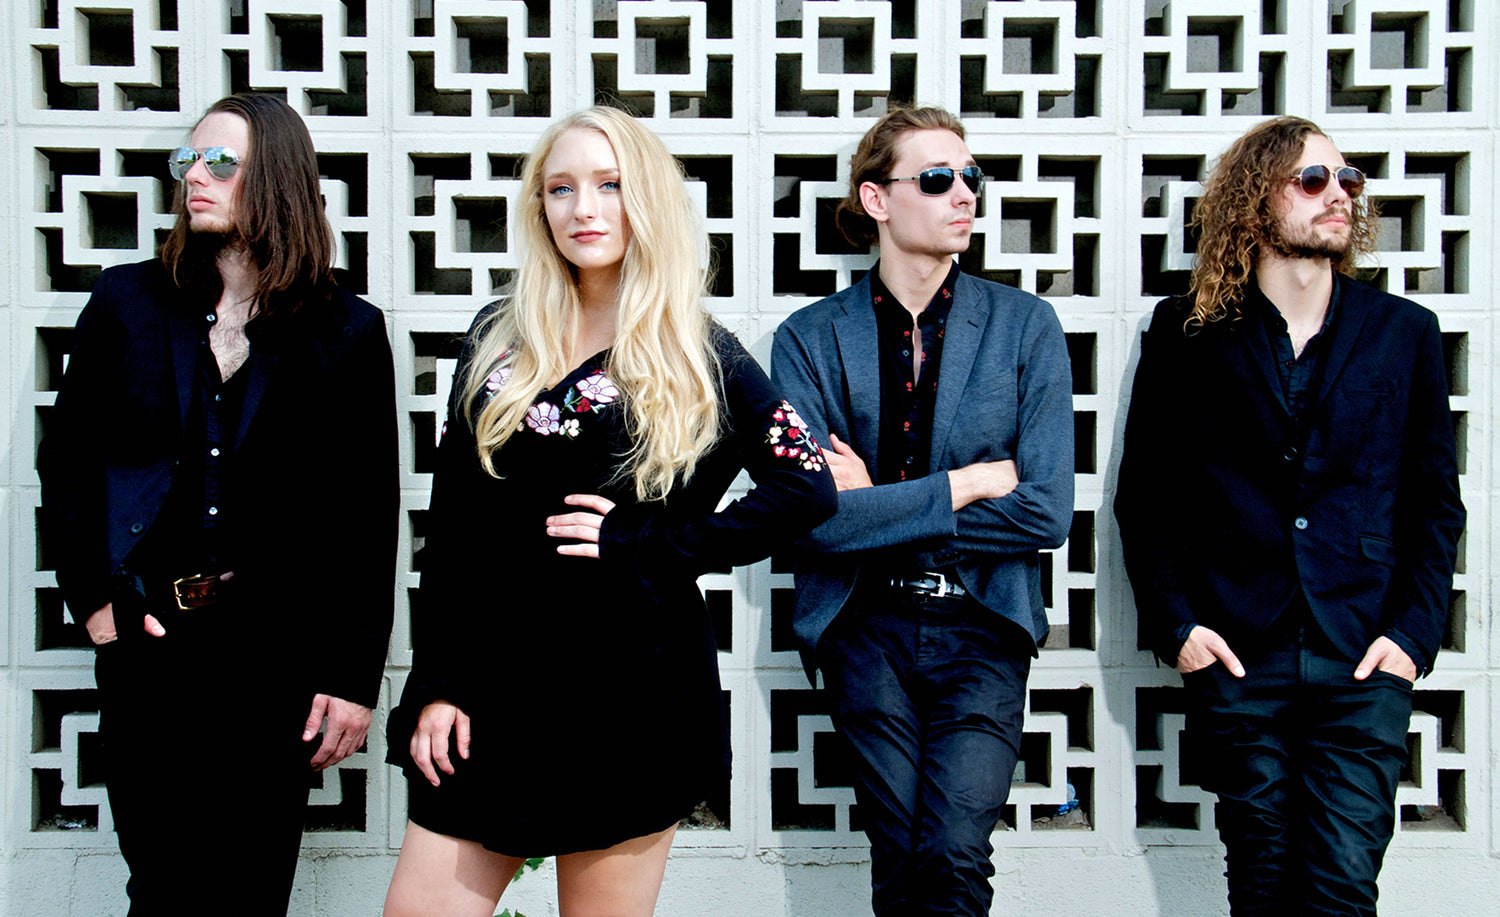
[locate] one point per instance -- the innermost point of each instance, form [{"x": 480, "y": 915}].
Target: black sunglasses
[
  {"x": 940, "y": 179},
  {"x": 1314, "y": 179},
  {"x": 221, "y": 161}
]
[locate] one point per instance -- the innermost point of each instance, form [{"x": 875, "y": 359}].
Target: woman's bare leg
[
  {"x": 442, "y": 876},
  {"x": 622, "y": 881}
]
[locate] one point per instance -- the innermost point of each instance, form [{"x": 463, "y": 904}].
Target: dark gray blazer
[{"x": 1004, "y": 392}]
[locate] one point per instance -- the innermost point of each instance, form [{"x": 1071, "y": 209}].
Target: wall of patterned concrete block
[{"x": 1095, "y": 120}]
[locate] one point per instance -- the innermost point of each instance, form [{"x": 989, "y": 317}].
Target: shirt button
[
  {"x": 906, "y": 353},
  {"x": 910, "y": 459},
  {"x": 210, "y": 318},
  {"x": 1290, "y": 454},
  {"x": 137, "y": 528},
  {"x": 214, "y": 453},
  {"x": 218, "y": 398},
  {"x": 1300, "y": 523},
  {"x": 213, "y": 510}
]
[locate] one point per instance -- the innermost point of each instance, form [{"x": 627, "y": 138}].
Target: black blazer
[
  {"x": 317, "y": 497},
  {"x": 1225, "y": 506}
]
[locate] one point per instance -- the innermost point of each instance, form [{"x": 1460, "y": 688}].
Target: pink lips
[{"x": 587, "y": 236}]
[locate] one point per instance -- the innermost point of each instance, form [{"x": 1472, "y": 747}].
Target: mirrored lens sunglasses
[
  {"x": 221, "y": 161},
  {"x": 939, "y": 180},
  {"x": 1314, "y": 179}
]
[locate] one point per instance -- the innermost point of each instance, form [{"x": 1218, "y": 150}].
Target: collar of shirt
[
  {"x": 888, "y": 309},
  {"x": 1276, "y": 322}
]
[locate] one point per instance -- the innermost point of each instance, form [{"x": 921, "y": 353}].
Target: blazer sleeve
[
  {"x": 1145, "y": 495},
  {"x": 356, "y": 625},
  {"x": 793, "y": 488},
  {"x": 74, "y": 515},
  {"x": 1430, "y": 514},
  {"x": 1038, "y": 513}
]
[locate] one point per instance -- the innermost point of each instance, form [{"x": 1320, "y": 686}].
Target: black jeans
[
  {"x": 1305, "y": 761},
  {"x": 930, "y": 696},
  {"x": 204, "y": 765}
]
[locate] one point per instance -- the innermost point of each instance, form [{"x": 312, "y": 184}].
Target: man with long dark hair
[
  {"x": 947, "y": 401},
  {"x": 219, "y": 489},
  {"x": 1288, "y": 502}
]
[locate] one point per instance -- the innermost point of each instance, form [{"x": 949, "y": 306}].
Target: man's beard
[
  {"x": 208, "y": 243},
  {"x": 1306, "y": 243}
]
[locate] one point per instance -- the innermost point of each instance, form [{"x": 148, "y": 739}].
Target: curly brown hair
[
  {"x": 1236, "y": 216},
  {"x": 875, "y": 156}
]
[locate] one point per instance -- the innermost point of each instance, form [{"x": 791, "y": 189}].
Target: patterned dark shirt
[{"x": 906, "y": 397}]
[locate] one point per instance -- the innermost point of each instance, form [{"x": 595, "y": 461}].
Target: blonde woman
[{"x": 564, "y": 698}]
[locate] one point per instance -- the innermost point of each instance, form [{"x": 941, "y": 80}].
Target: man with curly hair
[{"x": 1288, "y": 502}]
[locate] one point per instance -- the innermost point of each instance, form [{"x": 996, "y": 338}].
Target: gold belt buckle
[{"x": 177, "y": 590}]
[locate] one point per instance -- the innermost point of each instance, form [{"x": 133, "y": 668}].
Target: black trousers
[
  {"x": 1305, "y": 761},
  {"x": 929, "y": 695},
  {"x": 205, "y": 769}
]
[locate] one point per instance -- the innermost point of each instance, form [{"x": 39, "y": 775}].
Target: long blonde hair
[{"x": 662, "y": 360}]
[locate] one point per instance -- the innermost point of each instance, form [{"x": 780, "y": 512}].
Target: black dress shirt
[
  {"x": 907, "y": 397},
  {"x": 191, "y": 536}
]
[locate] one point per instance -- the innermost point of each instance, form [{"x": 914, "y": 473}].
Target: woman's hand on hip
[{"x": 582, "y": 526}]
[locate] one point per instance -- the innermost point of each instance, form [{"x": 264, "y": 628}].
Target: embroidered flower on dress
[
  {"x": 500, "y": 375},
  {"x": 585, "y": 396},
  {"x": 790, "y": 438},
  {"x": 543, "y": 418}
]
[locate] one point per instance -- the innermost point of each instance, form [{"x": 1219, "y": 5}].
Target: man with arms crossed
[
  {"x": 1288, "y": 502},
  {"x": 948, "y": 406},
  {"x": 219, "y": 489}
]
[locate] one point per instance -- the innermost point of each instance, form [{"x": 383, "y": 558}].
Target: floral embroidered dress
[{"x": 592, "y": 684}]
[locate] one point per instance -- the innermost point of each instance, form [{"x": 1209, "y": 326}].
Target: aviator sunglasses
[
  {"x": 221, "y": 161},
  {"x": 1314, "y": 179},
  {"x": 939, "y": 180}
]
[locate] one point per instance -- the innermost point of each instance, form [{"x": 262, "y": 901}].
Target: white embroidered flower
[
  {"x": 543, "y": 418},
  {"x": 497, "y": 379},
  {"x": 569, "y": 427},
  {"x": 597, "y": 389}
]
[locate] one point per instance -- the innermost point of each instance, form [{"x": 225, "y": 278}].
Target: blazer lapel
[
  {"x": 184, "y": 336},
  {"x": 1258, "y": 346},
  {"x": 859, "y": 356},
  {"x": 1346, "y": 326},
  {"x": 967, "y": 319},
  {"x": 265, "y": 357}
]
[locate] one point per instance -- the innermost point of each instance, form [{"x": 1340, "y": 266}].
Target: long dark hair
[{"x": 278, "y": 211}]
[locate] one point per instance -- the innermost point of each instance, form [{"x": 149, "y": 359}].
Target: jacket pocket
[{"x": 1381, "y": 550}]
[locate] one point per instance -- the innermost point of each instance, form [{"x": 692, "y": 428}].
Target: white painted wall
[{"x": 1095, "y": 117}]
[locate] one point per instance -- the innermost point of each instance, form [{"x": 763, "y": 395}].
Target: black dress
[{"x": 592, "y": 684}]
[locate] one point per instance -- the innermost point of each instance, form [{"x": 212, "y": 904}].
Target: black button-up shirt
[
  {"x": 189, "y": 536},
  {"x": 1299, "y": 375},
  {"x": 1298, "y": 372},
  {"x": 907, "y": 397}
]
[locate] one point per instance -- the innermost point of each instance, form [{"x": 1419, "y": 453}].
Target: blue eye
[
  {"x": 610, "y": 186},
  {"x": 560, "y": 189}
]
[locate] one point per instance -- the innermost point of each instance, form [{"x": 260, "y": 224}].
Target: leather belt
[
  {"x": 930, "y": 585},
  {"x": 201, "y": 589}
]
